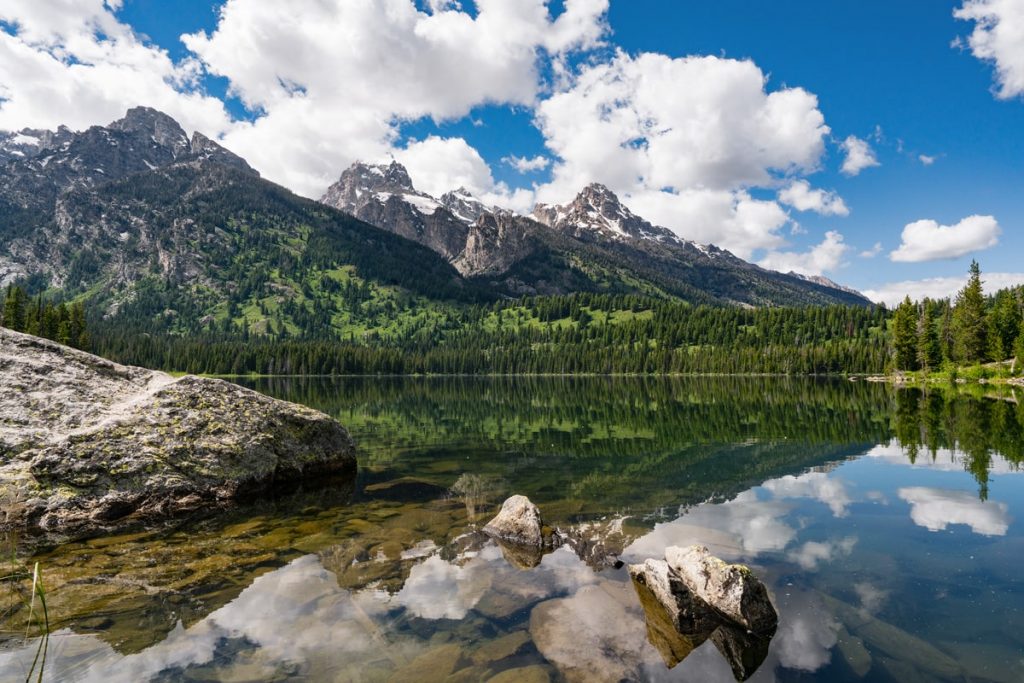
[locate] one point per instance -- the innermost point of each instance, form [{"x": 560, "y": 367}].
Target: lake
[{"x": 887, "y": 525}]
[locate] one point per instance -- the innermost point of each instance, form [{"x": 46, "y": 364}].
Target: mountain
[
  {"x": 162, "y": 232},
  {"x": 592, "y": 244}
]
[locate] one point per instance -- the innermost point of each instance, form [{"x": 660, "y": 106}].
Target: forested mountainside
[{"x": 592, "y": 244}]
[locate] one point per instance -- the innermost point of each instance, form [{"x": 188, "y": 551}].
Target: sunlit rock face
[
  {"x": 91, "y": 444},
  {"x": 730, "y": 589}
]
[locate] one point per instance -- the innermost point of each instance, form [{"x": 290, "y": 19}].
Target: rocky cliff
[{"x": 87, "y": 444}]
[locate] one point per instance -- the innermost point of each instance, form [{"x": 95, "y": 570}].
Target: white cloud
[
  {"x": 823, "y": 257},
  {"x": 859, "y": 156},
  {"x": 329, "y": 81},
  {"x": 71, "y": 62},
  {"x": 935, "y": 509},
  {"x": 335, "y": 79},
  {"x": 802, "y": 197},
  {"x": 892, "y": 293},
  {"x": 998, "y": 37},
  {"x": 437, "y": 165},
  {"x": 682, "y": 140},
  {"x": 873, "y": 251},
  {"x": 730, "y": 219},
  {"x": 926, "y": 159},
  {"x": 926, "y": 240},
  {"x": 525, "y": 165}
]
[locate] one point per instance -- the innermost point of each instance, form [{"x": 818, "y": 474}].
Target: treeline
[
  {"x": 972, "y": 329},
  {"x": 577, "y": 334},
  {"x": 39, "y": 316}
]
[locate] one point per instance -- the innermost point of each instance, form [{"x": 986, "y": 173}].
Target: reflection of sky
[{"x": 804, "y": 534}]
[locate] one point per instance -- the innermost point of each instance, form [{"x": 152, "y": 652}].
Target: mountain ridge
[
  {"x": 164, "y": 232},
  {"x": 580, "y": 241}
]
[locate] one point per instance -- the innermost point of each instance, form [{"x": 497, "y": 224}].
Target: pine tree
[
  {"x": 929, "y": 347},
  {"x": 1003, "y": 325},
  {"x": 969, "y": 325},
  {"x": 14, "y": 309},
  {"x": 904, "y": 335}
]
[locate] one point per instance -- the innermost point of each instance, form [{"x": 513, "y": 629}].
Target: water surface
[{"x": 885, "y": 523}]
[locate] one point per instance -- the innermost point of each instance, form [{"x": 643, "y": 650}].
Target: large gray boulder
[
  {"x": 89, "y": 444},
  {"x": 732, "y": 589}
]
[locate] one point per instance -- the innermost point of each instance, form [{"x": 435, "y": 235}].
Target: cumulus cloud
[
  {"x": 859, "y": 156},
  {"x": 802, "y": 197},
  {"x": 926, "y": 240},
  {"x": 998, "y": 38},
  {"x": 525, "y": 165},
  {"x": 326, "y": 81},
  {"x": 935, "y": 509},
  {"x": 437, "y": 165},
  {"x": 826, "y": 256},
  {"x": 892, "y": 293},
  {"x": 926, "y": 159},
  {"x": 682, "y": 140},
  {"x": 335, "y": 79},
  {"x": 72, "y": 62}
]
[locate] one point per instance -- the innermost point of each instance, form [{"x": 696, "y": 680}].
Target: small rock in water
[
  {"x": 731, "y": 589},
  {"x": 519, "y": 522}
]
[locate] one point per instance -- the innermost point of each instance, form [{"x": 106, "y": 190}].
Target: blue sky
[{"x": 903, "y": 77}]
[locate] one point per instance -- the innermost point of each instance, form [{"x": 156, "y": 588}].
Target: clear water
[{"x": 887, "y": 525}]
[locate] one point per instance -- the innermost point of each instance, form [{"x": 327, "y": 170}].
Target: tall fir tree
[
  {"x": 929, "y": 348},
  {"x": 904, "y": 335},
  {"x": 970, "y": 328}
]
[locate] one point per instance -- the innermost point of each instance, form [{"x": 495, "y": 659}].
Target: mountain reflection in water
[{"x": 883, "y": 523}]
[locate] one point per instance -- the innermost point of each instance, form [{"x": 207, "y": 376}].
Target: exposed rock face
[
  {"x": 597, "y": 213},
  {"x": 54, "y": 215},
  {"x": 88, "y": 444},
  {"x": 731, "y": 589},
  {"x": 593, "y": 243},
  {"x": 384, "y": 196}
]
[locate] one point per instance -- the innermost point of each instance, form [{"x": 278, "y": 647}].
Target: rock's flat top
[{"x": 85, "y": 442}]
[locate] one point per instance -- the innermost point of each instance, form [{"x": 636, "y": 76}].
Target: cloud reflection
[{"x": 935, "y": 509}]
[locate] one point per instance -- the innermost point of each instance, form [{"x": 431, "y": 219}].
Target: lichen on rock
[{"x": 92, "y": 444}]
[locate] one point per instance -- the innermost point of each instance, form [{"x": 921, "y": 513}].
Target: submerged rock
[
  {"x": 731, "y": 589},
  {"x": 87, "y": 444}
]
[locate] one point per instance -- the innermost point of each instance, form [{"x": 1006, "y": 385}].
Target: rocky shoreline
[{"x": 87, "y": 445}]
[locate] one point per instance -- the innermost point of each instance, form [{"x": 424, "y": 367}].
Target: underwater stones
[
  {"x": 519, "y": 522},
  {"x": 500, "y": 648},
  {"x": 99, "y": 445},
  {"x": 433, "y": 665},
  {"x": 524, "y": 674},
  {"x": 731, "y": 589},
  {"x": 590, "y": 636}
]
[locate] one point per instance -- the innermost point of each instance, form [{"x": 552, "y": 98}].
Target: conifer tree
[
  {"x": 970, "y": 329},
  {"x": 904, "y": 331},
  {"x": 14, "y": 309},
  {"x": 929, "y": 348}
]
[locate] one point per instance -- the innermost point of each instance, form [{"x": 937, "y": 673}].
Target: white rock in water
[
  {"x": 731, "y": 589},
  {"x": 518, "y": 522}
]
